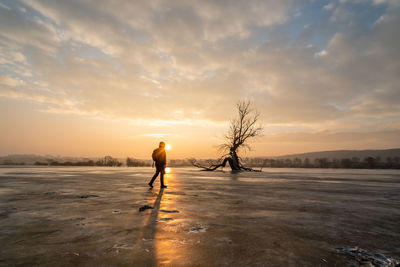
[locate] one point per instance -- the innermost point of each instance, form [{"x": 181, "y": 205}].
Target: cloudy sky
[{"x": 92, "y": 78}]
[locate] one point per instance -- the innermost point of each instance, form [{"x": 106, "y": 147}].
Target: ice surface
[{"x": 90, "y": 216}]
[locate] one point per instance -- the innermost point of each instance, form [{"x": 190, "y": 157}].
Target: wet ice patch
[
  {"x": 72, "y": 253},
  {"x": 145, "y": 207},
  {"x": 166, "y": 219},
  {"x": 170, "y": 211},
  {"x": 7, "y": 211},
  {"x": 197, "y": 229},
  {"x": 66, "y": 195},
  {"x": 366, "y": 258},
  {"x": 87, "y": 196}
]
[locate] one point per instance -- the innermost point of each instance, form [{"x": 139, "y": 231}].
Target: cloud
[
  {"x": 9, "y": 81},
  {"x": 180, "y": 60},
  {"x": 329, "y": 6},
  {"x": 20, "y": 30},
  {"x": 4, "y": 6}
]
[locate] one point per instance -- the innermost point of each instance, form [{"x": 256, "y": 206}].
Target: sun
[{"x": 167, "y": 147}]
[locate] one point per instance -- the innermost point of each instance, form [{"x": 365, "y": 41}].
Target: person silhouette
[{"x": 160, "y": 158}]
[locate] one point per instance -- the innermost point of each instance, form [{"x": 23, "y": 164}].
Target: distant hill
[{"x": 342, "y": 154}]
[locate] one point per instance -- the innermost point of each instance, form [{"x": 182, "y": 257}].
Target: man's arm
[{"x": 164, "y": 159}]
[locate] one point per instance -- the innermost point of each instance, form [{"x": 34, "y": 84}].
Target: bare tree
[{"x": 241, "y": 129}]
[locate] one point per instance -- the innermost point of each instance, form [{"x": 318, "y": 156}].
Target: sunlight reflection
[
  {"x": 167, "y": 242},
  {"x": 167, "y": 170}
]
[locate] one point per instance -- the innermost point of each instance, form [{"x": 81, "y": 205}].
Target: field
[{"x": 89, "y": 216}]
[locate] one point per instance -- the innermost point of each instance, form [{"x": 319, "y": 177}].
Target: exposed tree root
[{"x": 234, "y": 167}]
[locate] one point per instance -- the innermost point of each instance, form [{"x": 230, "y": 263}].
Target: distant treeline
[
  {"x": 345, "y": 163},
  {"x": 131, "y": 162},
  {"x": 66, "y": 163},
  {"x": 106, "y": 161},
  {"x": 10, "y": 162}
]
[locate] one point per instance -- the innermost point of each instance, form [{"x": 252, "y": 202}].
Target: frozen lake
[{"x": 281, "y": 217}]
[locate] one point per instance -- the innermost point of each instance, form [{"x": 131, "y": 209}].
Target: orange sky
[{"x": 323, "y": 75}]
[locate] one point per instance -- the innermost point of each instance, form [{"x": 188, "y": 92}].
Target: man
[{"x": 160, "y": 158}]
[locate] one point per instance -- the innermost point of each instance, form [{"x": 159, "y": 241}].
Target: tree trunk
[{"x": 233, "y": 161}]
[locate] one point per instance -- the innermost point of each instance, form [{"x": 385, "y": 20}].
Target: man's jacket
[{"x": 160, "y": 157}]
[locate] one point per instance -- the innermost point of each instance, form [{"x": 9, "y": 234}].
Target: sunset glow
[
  {"x": 324, "y": 75},
  {"x": 167, "y": 147}
]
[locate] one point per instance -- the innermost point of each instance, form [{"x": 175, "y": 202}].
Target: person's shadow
[
  {"x": 151, "y": 224},
  {"x": 147, "y": 234}
]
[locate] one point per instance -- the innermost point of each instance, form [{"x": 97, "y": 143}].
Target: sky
[{"x": 94, "y": 78}]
